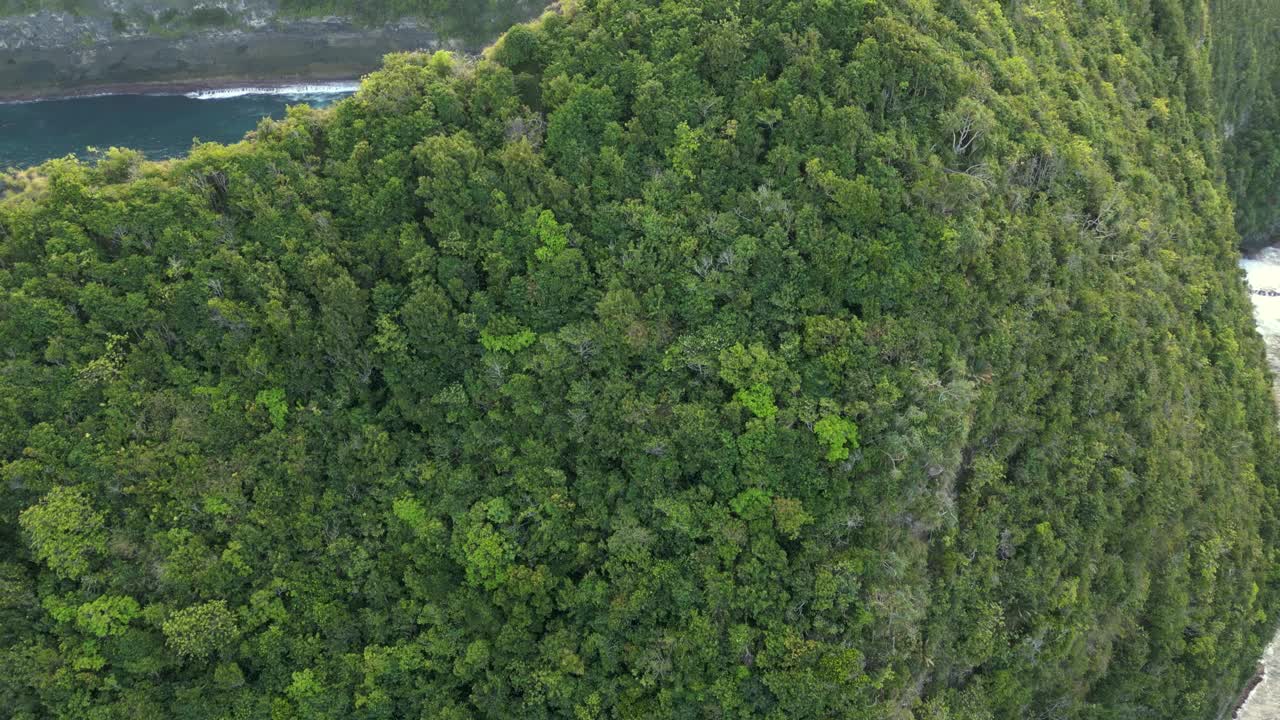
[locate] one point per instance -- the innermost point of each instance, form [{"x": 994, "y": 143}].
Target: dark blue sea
[{"x": 161, "y": 126}]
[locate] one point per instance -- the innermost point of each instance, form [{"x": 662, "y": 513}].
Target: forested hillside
[
  {"x": 733, "y": 359},
  {"x": 1246, "y": 63}
]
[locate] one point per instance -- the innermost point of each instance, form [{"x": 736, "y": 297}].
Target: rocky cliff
[{"x": 108, "y": 44}]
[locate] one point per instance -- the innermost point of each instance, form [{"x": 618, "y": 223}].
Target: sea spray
[
  {"x": 1263, "y": 273},
  {"x": 289, "y": 91}
]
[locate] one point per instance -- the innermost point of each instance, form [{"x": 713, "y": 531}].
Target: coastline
[
  {"x": 1259, "y": 676},
  {"x": 1259, "y": 699},
  {"x": 184, "y": 87},
  {"x": 53, "y": 55},
  {"x": 293, "y": 53}
]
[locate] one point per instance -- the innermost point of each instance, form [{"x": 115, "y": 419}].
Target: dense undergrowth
[{"x": 748, "y": 359}]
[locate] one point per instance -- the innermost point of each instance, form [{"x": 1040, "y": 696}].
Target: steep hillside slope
[
  {"x": 751, "y": 359},
  {"x": 1245, "y": 37}
]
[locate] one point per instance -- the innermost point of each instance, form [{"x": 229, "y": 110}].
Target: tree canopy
[{"x": 734, "y": 359}]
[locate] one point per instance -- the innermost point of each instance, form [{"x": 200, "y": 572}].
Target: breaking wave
[{"x": 298, "y": 91}]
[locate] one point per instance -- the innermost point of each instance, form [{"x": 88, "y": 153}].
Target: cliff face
[
  {"x": 1246, "y": 83},
  {"x": 108, "y": 44}
]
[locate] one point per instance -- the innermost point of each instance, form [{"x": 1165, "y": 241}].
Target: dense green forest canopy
[
  {"x": 1247, "y": 82},
  {"x": 734, "y": 359}
]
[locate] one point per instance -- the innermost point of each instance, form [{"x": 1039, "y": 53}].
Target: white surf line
[
  {"x": 1263, "y": 274},
  {"x": 346, "y": 87},
  {"x": 57, "y": 98},
  {"x": 336, "y": 88}
]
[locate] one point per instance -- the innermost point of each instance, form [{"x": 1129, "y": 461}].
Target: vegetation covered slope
[
  {"x": 1247, "y": 76},
  {"x": 737, "y": 359}
]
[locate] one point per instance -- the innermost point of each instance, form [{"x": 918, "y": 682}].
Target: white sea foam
[
  {"x": 316, "y": 89},
  {"x": 310, "y": 90},
  {"x": 1263, "y": 273}
]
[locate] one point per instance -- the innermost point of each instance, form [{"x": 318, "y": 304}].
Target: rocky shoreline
[
  {"x": 307, "y": 51},
  {"x": 49, "y": 54},
  {"x": 1260, "y": 698}
]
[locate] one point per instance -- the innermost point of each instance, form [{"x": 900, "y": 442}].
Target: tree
[
  {"x": 65, "y": 532},
  {"x": 200, "y": 630}
]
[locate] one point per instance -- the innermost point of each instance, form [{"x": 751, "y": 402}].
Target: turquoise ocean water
[{"x": 162, "y": 126}]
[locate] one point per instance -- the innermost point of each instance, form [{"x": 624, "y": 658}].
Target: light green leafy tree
[
  {"x": 200, "y": 630},
  {"x": 109, "y": 615},
  {"x": 838, "y": 435},
  {"x": 65, "y": 531}
]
